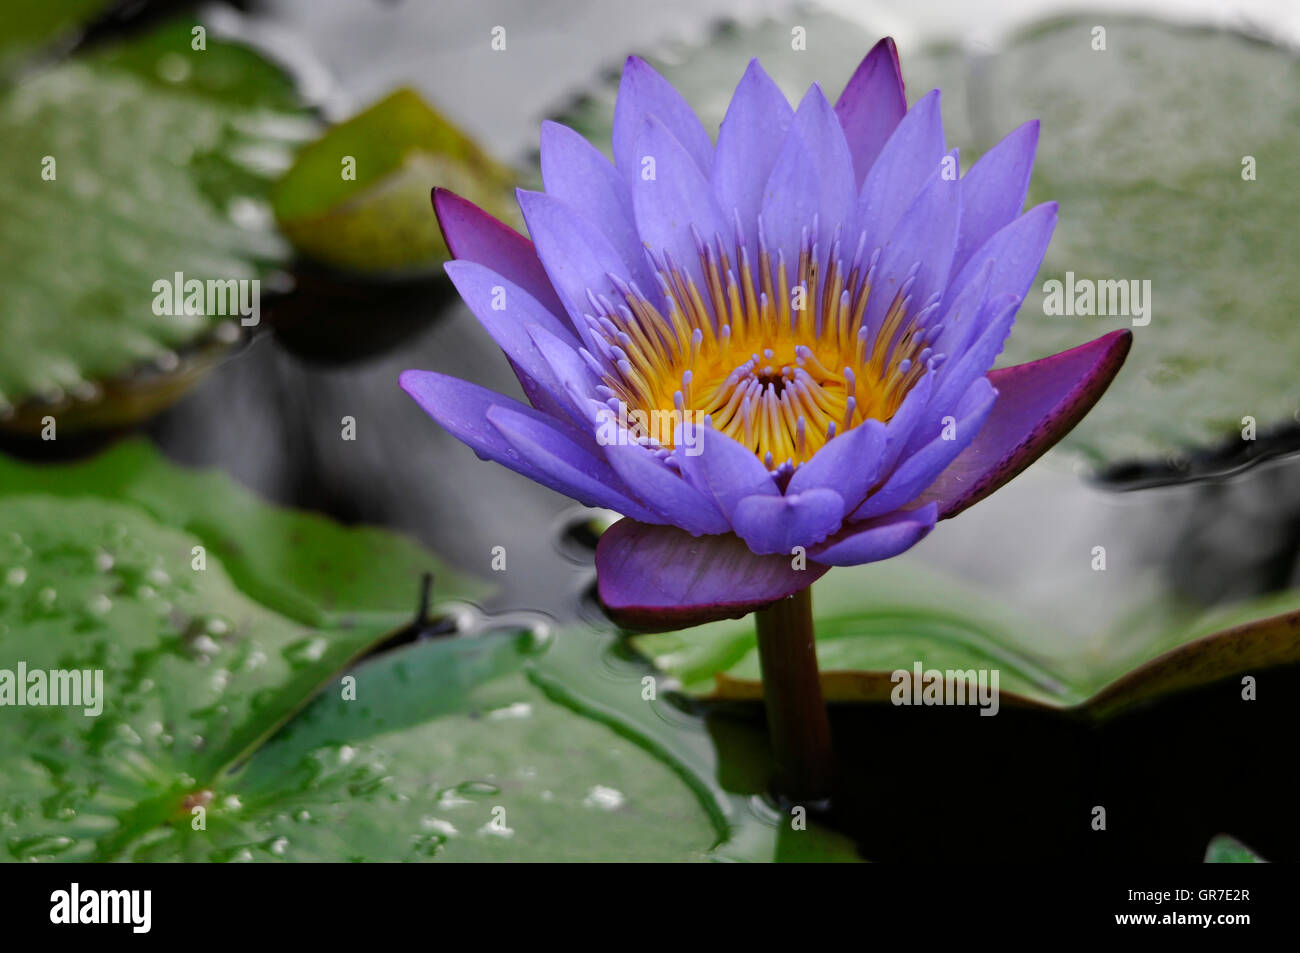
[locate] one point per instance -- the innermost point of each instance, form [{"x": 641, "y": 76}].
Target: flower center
[{"x": 780, "y": 357}]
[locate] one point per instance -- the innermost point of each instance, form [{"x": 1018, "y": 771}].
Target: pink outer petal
[
  {"x": 871, "y": 105},
  {"x": 1038, "y": 404},
  {"x": 657, "y": 578},
  {"x": 474, "y": 235}
]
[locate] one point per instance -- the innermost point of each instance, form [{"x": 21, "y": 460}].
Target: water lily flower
[{"x": 771, "y": 355}]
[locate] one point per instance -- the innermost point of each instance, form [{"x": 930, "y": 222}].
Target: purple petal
[
  {"x": 917, "y": 471},
  {"x": 462, "y": 408},
  {"x": 849, "y": 464},
  {"x": 877, "y": 539},
  {"x": 575, "y": 253},
  {"x": 926, "y": 235},
  {"x": 641, "y": 93},
  {"x": 575, "y": 172},
  {"x": 777, "y": 524},
  {"x": 993, "y": 191},
  {"x": 903, "y": 424},
  {"x": 664, "y": 490},
  {"x": 496, "y": 300},
  {"x": 1039, "y": 403},
  {"x": 660, "y": 577},
  {"x": 586, "y": 478},
  {"x": 963, "y": 315},
  {"x": 909, "y": 158},
  {"x": 871, "y": 106},
  {"x": 676, "y": 203},
  {"x": 726, "y": 470},
  {"x": 813, "y": 176},
  {"x": 955, "y": 377},
  {"x": 574, "y": 382},
  {"x": 505, "y": 310},
  {"x": 1016, "y": 251},
  {"x": 474, "y": 235},
  {"x": 749, "y": 140}
]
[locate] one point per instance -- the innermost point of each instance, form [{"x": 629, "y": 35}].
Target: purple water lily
[{"x": 771, "y": 356}]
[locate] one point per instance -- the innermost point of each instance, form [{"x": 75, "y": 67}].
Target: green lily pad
[
  {"x": 127, "y": 166},
  {"x": 1143, "y": 146},
  {"x": 877, "y": 619},
  {"x": 358, "y": 197},
  {"x": 200, "y": 660},
  {"x": 448, "y": 752},
  {"x": 194, "y": 673},
  {"x": 594, "y": 674},
  {"x": 504, "y": 746},
  {"x": 299, "y": 564},
  {"x": 1229, "y": 850}
]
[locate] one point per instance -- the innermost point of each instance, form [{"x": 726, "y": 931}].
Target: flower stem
[{"x": 796, "y": 714}]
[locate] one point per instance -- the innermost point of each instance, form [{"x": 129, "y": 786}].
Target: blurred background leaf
[
  {"x": 377, "y": 217},
  {"x": 163, "y": 157}
]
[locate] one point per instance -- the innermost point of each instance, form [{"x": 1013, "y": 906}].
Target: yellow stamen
[{"x": 781, "y": 380}]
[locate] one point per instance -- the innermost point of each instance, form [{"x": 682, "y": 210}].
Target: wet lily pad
[
  {"x": 1143, "y": 145},
  {"x": 358, "y": 198},
  {"x": 206, "y": 636},
  {"x": 128, "y": 165},
  {"x": 194, "y": 673},
  {"x": 501, "y": 746},
  {"x": 299, "y": 564},
  {"x": 448, "y": 752}
]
